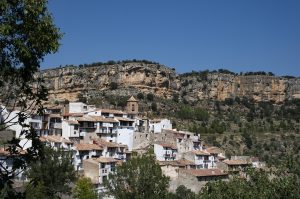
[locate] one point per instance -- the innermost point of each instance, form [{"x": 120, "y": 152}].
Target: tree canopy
[
  {"x": 27, "y": 34},
  {"x": 139, "y": 178},
  {"x": 84, "y": 189},
  {"x": 51, "y": 175}
]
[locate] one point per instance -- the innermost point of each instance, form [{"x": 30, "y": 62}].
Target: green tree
[
  {"x": 184, "y": 193},
  {"x": 113, "y": 86},
  {"x": 27, "y": 34},
  {"x": 140, "y": 96},
  {"x": 258, "y": 184},
  {"x": 139, "y": 178},
  {"x": 54, "y": 171},
  {"x": 84, "y": 189},
  {"x": 153, "y": 106},
  {"x": 150, "y": 97}
]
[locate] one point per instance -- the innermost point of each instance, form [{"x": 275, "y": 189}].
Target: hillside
[
  {"x": 255, "y": 113},
  {"x": 132, "y": 77}
]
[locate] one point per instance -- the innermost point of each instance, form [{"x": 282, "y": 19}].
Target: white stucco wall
[{"x": 125, "y": 136}]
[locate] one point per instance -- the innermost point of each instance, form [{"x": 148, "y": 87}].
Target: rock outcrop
[{"x": 131, "y": 78}]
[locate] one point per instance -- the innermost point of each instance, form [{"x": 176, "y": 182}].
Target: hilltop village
[{"x": 101, "y": 139}]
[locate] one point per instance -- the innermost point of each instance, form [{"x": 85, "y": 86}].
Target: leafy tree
[
  {"x": 185, "y": 112},
  {"x": 153, "y": 106},
  {"x": 84, "y": 189},
  {"x": 140, "y": 96},
  {"x": 113, "y": 86},
  {"x": 184, "y": 193},
  {"x": 201, "y": 114},
  {"x": 176, "y": 97},
  {"x": 258, "y": 184},
  {"x": 139, "y": 178},
  {"x": 54, "y": 171},
  {"x": 247, "y": 140},
  {"x": 36, "y": 191},
  {"x": 150, "y": 97},
  {"x": 27, "y": 34}
]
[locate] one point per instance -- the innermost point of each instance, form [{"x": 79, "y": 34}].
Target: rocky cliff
[{"x": 132, "y": 78}]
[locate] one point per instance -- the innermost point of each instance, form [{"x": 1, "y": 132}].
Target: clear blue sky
[{"x": 239, "y": 35}]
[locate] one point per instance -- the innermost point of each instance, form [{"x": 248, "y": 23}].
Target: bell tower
[{"x": 132, "y": 106}]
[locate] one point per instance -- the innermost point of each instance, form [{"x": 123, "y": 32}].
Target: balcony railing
[
  {"x": 57, "y": 125},
  {"x": 82, "y": 134}
]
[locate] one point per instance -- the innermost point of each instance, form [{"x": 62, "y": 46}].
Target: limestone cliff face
[
  {"x": 131, "y": 78},
  {"x": 68, "y": 82}
]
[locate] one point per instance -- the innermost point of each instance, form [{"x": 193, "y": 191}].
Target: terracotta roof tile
[
  {"x": 104, "y": 143},
  {"x": 103, "y": 119},
  {"x": 71, "y": 121},
  {"x": 166, "y": 145},
  {"x": 112, "y": 111},
  {"x": 204, "y": 172},
  {"x": 54, "y": 138},
  {"x": 87, "y": 147},
  {"x": 73, "y": 114},
  {"x": 214, "y": 150},
  {"x": 237, "y": 162},
  {"x": 199, "y": 152},
  {"x": 86, "y": 118}
]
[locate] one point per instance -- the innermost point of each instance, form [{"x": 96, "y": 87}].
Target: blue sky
[{"x": 249, "y": 35}]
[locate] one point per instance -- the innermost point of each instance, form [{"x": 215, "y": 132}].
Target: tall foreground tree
[
  {"x": 27, "y": 34},
  {"x": 84, "y": 189},
  {"x": 138, "y": 178},
  {"x": 53, "y": 175}
]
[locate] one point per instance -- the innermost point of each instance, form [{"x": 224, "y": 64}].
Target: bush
[
  {"x": 140, "y": 96},
  {"x": 113, "y": 86},
  {"x": 153, "y": 106},
  {"x": 150, "y": 97}
]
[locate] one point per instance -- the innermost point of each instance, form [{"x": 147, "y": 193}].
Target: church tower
[{"x": 132, "y": 106}]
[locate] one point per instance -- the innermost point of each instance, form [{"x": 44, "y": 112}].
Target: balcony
[
  {"x": 82, "y": 134},
  {"x": 126, "y": 127},
  {"x": 120, "y": 157},
  {"x": 105, "y": 131},
  {"x": 57, "y": 125},
  {"x": 87, "y": 127}
]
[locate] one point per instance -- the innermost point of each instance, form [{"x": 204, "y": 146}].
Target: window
[
  {"x": 75, "y": 127},
  {"x": 132, "y": 107}
]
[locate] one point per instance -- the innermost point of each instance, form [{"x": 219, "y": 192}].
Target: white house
[
  {"x": 70, "y": 129},
  {"x": 86, "y": 151},
  {"x": 112, "y": 149},
  {"x": 165, "y": 152},
  {"x": 112, "y": 113},
  {"x": 156, "y": 125},
  {"x": 57, "y": 142},
  {"x": 34, "y": 120},
  {"x": 202, "y": 159},
  {"x": 98, "y": 170},
  {"x": 80, "y": 107}
]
